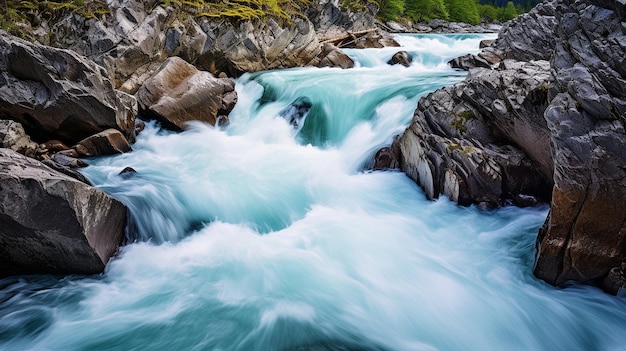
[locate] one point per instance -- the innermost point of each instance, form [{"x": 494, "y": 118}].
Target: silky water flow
[{"x": 270, "y": 234}]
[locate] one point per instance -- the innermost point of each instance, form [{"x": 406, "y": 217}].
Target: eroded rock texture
[
  {"x": 584, "y": 236},
  {"x": 51, "y": 223},
  {"x": 178, "y": 93},
  {"x": 58, "y": 94}
]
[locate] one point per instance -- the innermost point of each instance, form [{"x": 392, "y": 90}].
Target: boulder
[
  {"x": 401, "y": 58},
  {"x": 584, "y": 237},
  {"x": 12, "y": 136},
  {"x": 178, "y": 93},
  {"x": 469, "y": 61},
  {"x": 58, "y": 94},
  {"x": 530, "y": 36},
  {"x": 51, "y": 223},
  {"x": 483, "y": 141},
  {"x": 334, "y": 57},
  {"x": 108, "y": 142}
]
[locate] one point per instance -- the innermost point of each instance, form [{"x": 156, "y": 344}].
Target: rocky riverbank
[
  {"x": 75, "y": 89},
  {"x": 540, "y": 117}
]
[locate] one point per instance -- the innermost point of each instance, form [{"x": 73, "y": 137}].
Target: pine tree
[{"x": 509, "y": 11}]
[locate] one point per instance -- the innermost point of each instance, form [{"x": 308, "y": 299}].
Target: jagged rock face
[
  {"x": 530, "y": 37},
  {"x": 58, "y": 94},
  {"x": 483, "y": 140},
  {"x": 256, "y": 45},
  {"x": 526, "y": 38},
  {"x": 178, "y": 93},
  {"x": 138, "y": 36},
  {"x": 51, "y": 223},
  {"x": 330, "y": 21},
  {"x": 584, "y": 236}
]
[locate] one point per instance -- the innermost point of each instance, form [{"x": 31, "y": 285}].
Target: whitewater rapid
[{"x": 265, "y": 236}]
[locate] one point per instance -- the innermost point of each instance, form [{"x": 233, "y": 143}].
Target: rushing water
[{"x": 268, "y": 235}]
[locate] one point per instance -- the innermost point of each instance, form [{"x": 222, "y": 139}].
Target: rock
[
  {"x": 334, "y": 57},
  {"x": 401, "y": 58},
  {"x": 330, "y": 21},
  {"x": 108, "y": 142},
  {"x": 388, "y": 157},
  {"x": 12, "y": 136},
  {"x": 68, "y": 161},
  {"x": 584, "y": 236},
  {"x": 484, "y": 140},
  {"x": 127, "y": 172},
  {"x": 396, "y": 27},
  {"x": 486, "y": 43},
  {"x": 256, "y": 46},
  {"x": 441, "y": 26},
  {"x": 179, "y": 93},
  {"x": 51, "y": 223},
  {"x": 529, "y": 36},
  {"x": 296, "y": 112},
  {"x": 469, "y": 61},
  {"x": 54, "y": 146},
  {"x": 615, "y": 281},
  {"x": 57, "y": 94}
]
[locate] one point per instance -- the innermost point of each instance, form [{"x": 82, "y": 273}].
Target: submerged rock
[
  {"x": 401, "y": 58},
  {"x": 296, "y": 112},
  {"x": 178, "y": 93},
  {"x": 58, "y": 94},
  {"x": 51, "y": 223}
]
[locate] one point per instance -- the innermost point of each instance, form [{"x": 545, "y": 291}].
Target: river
[{"x": 270, "y": 234}]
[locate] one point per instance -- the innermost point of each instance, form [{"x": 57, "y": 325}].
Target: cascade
[{"x": 268, "y": 234}]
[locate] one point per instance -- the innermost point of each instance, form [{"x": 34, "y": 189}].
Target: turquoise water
[{"x": 269, "y": 235}]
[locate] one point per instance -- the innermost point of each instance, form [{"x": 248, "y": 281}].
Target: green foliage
[
  {"x": 390, "y": 10},
  {"x": 489, "y": 12},
  {"x": 509, "y": 12},
  {"x": 463, "y": 11},
  {"x": 425, "y": 10}
]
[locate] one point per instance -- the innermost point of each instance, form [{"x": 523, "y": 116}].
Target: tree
[
  {"x": 425, "y": 10},
  {"x": 390, "y": 9},
  {"x": 509, "y": 11},
  {"x": 463, "y": 11},
  {"x": 489, "y": 12}
]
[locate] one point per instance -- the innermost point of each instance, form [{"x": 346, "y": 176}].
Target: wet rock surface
[{"x": 51, "y": 223}]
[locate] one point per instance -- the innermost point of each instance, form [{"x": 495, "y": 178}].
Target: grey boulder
[{"x": 51, "y": 223}]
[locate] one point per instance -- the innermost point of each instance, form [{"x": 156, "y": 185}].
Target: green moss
[
  {"x": 16, "y": 16},
  {"x": 459, "y": 120},
  {"x": 453, "y": 146},
  {"x": 282, "y": 10}
]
